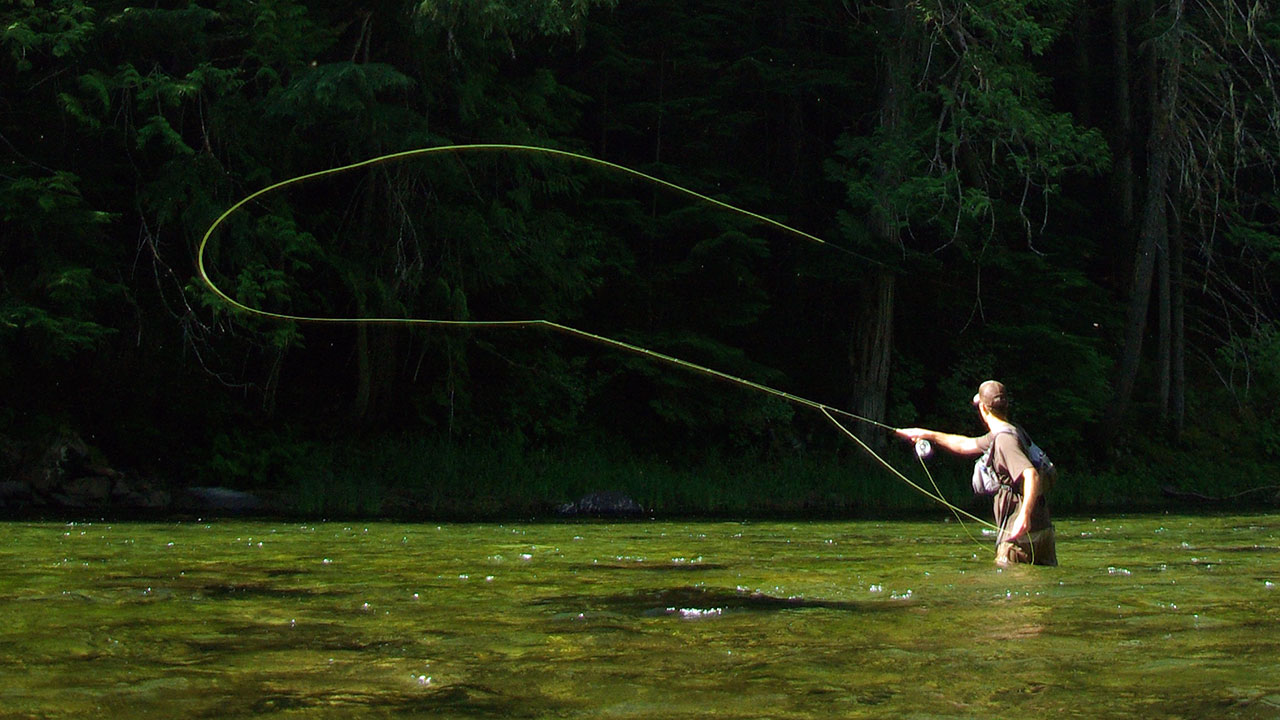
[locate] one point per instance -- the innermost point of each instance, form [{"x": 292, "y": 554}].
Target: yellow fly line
[{"x": 829, "y": 412}]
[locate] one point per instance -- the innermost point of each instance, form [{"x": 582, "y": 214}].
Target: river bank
[{"x": 409, "y": 478}]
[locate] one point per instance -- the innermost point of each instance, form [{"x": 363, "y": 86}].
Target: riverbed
[{"x": 1161, "y": 616}]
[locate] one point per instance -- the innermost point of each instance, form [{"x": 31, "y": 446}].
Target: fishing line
[
  {"x": 539, "y": 323},
  {"x": 937, "y": 495},
  {"x": 923, "y": 450}
]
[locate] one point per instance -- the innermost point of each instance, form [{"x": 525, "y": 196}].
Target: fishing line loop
[{"x": 538, "y": 323}]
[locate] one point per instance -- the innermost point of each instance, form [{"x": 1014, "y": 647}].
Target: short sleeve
[
  {"x": 1009, "y": 458},
  {"x": 984, "y": 442}
]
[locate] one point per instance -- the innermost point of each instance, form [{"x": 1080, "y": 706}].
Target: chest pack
[{"x": 985, "y": 480}]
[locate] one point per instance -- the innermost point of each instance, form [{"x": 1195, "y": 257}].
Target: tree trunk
[
  {"x": 366, "y": 394},
  {"x": 1083, "y": 67},
  {"x": 1164, "y": 341},
  {"x": 364, "y": 371},
  {"x": 870, "y": 353},
  {"x": 376, "y": 349},
  {"x": 1124, "y": 113},
  {"x": 1178, "y": 342},
  {"x": 871, "y": 347},
  {"x": 1154, "y": 226}
]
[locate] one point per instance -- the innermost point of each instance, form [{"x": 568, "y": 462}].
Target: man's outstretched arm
[{"x": 958, "y": 444}]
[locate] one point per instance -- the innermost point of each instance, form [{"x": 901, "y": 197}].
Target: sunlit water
[{"x": 1160, "y": 616}]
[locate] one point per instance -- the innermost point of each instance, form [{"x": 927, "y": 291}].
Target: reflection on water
[{"x": 1162, "y": 616}]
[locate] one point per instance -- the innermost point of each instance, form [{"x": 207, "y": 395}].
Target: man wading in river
[{"x": 1021, "y": 507}]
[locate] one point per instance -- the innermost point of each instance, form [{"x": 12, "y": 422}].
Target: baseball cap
[{"x": 992, "y": 394}]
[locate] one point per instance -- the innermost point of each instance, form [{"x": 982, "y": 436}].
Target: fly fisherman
[{"x": 1021, "y": 508}]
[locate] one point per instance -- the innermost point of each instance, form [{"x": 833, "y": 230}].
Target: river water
[{"x": 1153, "y": 616}]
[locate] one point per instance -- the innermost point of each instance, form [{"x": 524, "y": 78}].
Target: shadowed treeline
[{"x": 1075, "y": 197}]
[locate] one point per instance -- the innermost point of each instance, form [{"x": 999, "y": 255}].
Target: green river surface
[{"x": 1161, "y": 616}]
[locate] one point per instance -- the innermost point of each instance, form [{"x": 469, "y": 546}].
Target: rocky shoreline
[{"x": 62, "y": 473}]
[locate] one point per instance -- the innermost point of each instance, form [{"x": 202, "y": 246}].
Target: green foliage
[
  {"x": 53, "y": 305},
  {"x": 58, "y": 29},
  {"x": 42, "y": 203},
  {"x": 126, "y": 130},
  {"x": 264, "y": 460},
  {"x": 509, "y": 21},
  {"x": 335, "y": 93},
  {"x": 503, "y": 478},
  {"x": 970, "y": 132},
  {"x": 283, "y": 37},
  {"x": 1253, "y": 367},
  {"x": 62, "y": 329}
]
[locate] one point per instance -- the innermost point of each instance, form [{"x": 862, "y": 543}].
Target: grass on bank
[
  {"x": 432, "y": 478},
  {"x": 413, "y": 477}
]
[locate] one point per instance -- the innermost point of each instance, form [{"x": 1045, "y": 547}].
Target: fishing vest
[{"x": 985, "y": 480}]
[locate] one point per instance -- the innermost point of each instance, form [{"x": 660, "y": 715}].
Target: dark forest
[{"x": 1077, "y": 198}]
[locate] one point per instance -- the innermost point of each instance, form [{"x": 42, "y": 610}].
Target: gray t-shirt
[{"x": 1009, "y": 460}]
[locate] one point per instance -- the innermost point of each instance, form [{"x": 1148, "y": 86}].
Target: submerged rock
[
  {"x": 14, "y": 493},
  {"x": 86, "y": 491},
  {"x": 607, "y": 503},
  {"x": 218, "y": 499}
]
